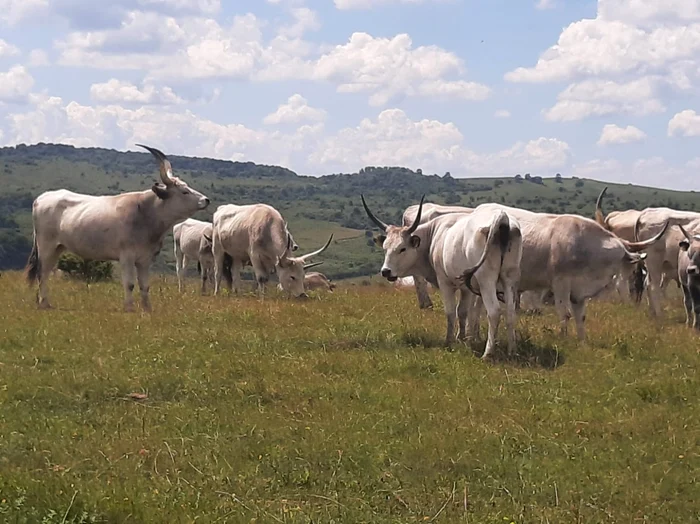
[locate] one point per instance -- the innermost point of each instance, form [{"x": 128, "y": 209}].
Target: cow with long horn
[
  {"x": 470, "y": 253},
  {"x": 257, "y": 234},
  {"x": 128, "y": 227},
  {"x": 662, "y": 260}
]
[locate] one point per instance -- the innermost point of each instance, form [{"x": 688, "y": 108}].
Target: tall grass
[{"x": 343, "y": 408}]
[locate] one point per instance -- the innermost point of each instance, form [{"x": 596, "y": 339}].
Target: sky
[{"x": 605, "y": 89}]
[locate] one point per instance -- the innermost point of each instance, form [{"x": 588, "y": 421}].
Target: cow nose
[
  {"x": 386, "y": 272},
  {"x": 206, "y": 201},
  {"x": 693, "y": 270}
]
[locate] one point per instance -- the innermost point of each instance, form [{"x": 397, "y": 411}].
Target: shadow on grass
[{"x": 528, "y": 353}]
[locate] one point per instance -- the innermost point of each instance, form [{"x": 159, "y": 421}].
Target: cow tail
[
  {"x": 33, "y": 269},
  {"x": 228, "y": 264},
  {"x": 499, "y": 233},
  {"x": 199, "y": 267}
]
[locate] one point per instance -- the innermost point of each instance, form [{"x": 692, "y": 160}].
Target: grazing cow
[
  {"x": 256, "y": 234},
  {"x": 573, "y": 256},
  {"x": 662, "y": 258},
  {"x": 315, "y": 280},
  {"x": 429, "y": 212},
  {"x": 689, "y": 276},
  {"x": 129, "y": 227},
  {"x": 192, "y": 239},
  {"x": 454, "y": 252}
]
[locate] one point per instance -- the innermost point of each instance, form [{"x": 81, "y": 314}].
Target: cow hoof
[
  {"x": 45, "y": 306},
  {"x": 488, "y": 357}
]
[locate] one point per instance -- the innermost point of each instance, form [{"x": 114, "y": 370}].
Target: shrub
[{"x": 87, "y": 270}]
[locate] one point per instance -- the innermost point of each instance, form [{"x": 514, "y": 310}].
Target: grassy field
[{"x": 343, "y": 408}]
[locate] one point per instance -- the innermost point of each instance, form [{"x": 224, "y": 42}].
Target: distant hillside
[{"x": 314, "y": 207}]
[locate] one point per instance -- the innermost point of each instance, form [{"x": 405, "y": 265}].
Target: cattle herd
[{"x": 487, "y": 255}]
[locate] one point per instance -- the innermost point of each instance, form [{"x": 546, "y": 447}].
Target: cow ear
[
  {"x": 415, "y": 241},
  {"x": 379, "y": 240},
  {"x": 684, "y": 244},
  {"x": 283, "y": 262},
  {"x": 161, "y": 191}
]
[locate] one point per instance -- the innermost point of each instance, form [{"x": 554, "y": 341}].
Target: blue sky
[{"x": 605, "y": 89}]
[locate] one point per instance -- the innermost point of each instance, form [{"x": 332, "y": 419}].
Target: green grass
[{"x": 343, "y": 408}]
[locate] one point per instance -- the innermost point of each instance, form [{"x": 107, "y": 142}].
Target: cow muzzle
[
  {"x": 693, "y": 270},
  {"x": 203, "y": 203},
  {"x": 386, "y": 273}
]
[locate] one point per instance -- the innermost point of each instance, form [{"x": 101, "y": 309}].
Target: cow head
[
  {"x": 399, "y": 243},
  {"x": 181, "y": 199},
  {"x": 290, "y": 270},
  {"x": 691, "y": 246}
]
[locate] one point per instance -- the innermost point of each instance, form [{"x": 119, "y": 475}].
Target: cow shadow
[{"x": 528, "y": 353}]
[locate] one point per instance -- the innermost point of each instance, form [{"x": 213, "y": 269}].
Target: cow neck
[{"x": 426, "y": 232}]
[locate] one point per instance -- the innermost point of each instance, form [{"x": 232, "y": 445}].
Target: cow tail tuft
[
  {"x": 228, "y": 265},
  {"x": 33, "y": 269},
  {"x": 199, "y": 267}
]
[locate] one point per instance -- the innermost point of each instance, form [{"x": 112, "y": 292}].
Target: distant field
[{"x": 342, "y": 408}]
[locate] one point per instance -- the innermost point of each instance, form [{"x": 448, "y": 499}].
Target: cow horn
[
  {"x": 416, "y": 221},
  {"x": 381, "y": 225},
  {"x": 644, "y": 244},
  {"x": 685, "y": 233},
  {"x": 318, "y": 251},
  {"x": 598, "y": 209},
  {"x": 313, "y": 264},
  {"x": 166, "y": 170}
]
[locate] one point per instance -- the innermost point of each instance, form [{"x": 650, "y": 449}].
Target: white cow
[
  {"x": 315, "y": 280},
  {"x": 192, "y": 239},
  {"x": 256, "y": 234},
  {"x": 129, "y": 227},
  {"x": 429, "y": 211},
  {"x": 470, "y": 253},
  {"x": 573, "y": 256},
  {"x": 689, "y": 276}
]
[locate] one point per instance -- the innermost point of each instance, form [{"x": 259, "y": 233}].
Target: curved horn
[
  {"x": 166, "y": 170},
  {"x": 598, "y": 209},
  {"x": 635, "y": 247},
  {"x": 381, "y": 225},
  {"x": 318, "y": 251},
  {"x": 313, "y": 264},
  {"x": 685, "y": 233},
  {"x": 416, "y": 221}
]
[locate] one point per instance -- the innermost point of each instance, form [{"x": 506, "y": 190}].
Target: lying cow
[
  {"x": 459, "y": 252},
  {"x": 573, "y": 256},
  {"x": 257, "y": 234},
  {"x": 429, "y": 211},
  {"x": 192, "y": 239},
  {"x": 315, "y": 280},
  {"x": 129, "y": 227}
]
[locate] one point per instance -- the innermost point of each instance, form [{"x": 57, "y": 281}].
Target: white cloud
[
  {"x": 38, "y": 58},
  {"x": 545, "y": 4},
  {"x": 502, "y": 113},
  {"x": 652, "y": 12},
  {"x": 7, "y": 49},
  {"x": 613, "y": 134},
  {"x": 15, "y": 84},
  {"x": 685, "y": 123},
  {"x": 305, "y": 20},
  {"x": 119, "y": 92},
  {"x": 394, "y": 139},
  {"x": 653, "y": 171},
  {"x": 12, "y": 11},
  {"x": 368, "y": 4},
  {"x": 296, "y": 110},
  {"x": 605, "y": 97}
]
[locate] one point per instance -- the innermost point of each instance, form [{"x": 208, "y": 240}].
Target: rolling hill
[{"x": 313, "y": 206}]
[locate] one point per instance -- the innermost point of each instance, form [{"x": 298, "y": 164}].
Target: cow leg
[
  {"x": 205, "y": 277},
  {"x": 128, "y": 278},
  {"x": 493, "y": 311},
  {"x": 562, "y": 303},
  {"x": 48, "y": 257},
  {"x": 465, "y": 299},
  {"x": 421, "y": 284},
  {"x": 180, "y": 264},
  {"x": 509, "y": 295},
  {"x": 261, "y": 276},
  {"x": 144, "y": 288},
  {"x": 448, "y": 299},
  {"x": 653, "y": 290},
  {"x": 218, "y": 269},
  {"x": 578, "y": 307},
  {"x": 473, "y": 317},
  {"x": 695, "y": 297},
  {"x": 237, "y": 282},
  {"x": 688, "y": 303}
]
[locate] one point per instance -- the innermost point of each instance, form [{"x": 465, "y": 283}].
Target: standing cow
[
  {"x": 573, "y": 256},
  {"x": 256, "y": 234},
  {"x": 689, "y": 276},
  {"x": 129, "y": 227},
  {"x": 192, "y": 239},
  {"x": 454, "y": 252},
  {"x": 429, "y": 211},
  {"x": 662, "y": 260}
]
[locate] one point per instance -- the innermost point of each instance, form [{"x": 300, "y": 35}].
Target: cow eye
[
  {"x": 293, "y": 278},
  {"x": 185, "y": 192},
  {"x": 402, "y": 250}
]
